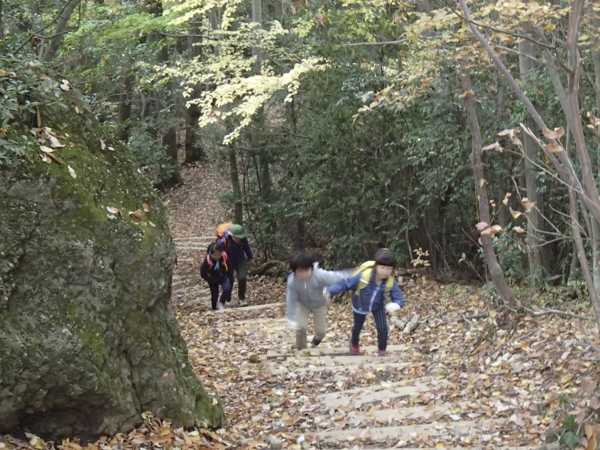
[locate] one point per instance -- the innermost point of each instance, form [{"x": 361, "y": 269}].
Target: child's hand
[
  {"x": 327, "y": 295},
  {"x": 392, "y": 307}
]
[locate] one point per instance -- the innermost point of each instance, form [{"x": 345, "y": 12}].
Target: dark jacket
[
  {"x": 236, "y": 252},
  {"x": 215, "y": 272}
]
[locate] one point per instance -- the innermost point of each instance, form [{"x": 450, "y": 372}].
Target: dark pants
[
  {"x": 380, "y": 323},
  {"x": 240, "y": 269},
  {"x": 214, "y": 292}
]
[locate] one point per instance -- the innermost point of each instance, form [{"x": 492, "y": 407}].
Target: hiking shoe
[
  {"x": 354, "y": 349},
  {"x": 316, "y": 342},
  {"x": 382, "y": 353},
  {"x": 243, "y": 302},
  {"x": 220, "y": 306}
]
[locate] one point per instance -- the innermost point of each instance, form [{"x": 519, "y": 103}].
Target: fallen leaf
[
  {"x": 72, "y": 172},
  {"x": 519, "y": 230},
  {"x": 494, "y": 146},
  {"x": 146, "y": 207},
  {"x": 527, "y": 204},
  {"x": 46, "y": 149},
  {"x": 112, "y": 210},
  {"x": 466, "y": 94},
  {"x": 554, "y": 148},
  {"x": 514, "y": 213},
  {"x": 553, "y": 134},
  {"x": 137, "y": 214},
  {"x": 102, "y": 145},
  {"x": 507, "y": 132},
  {"x": 588, "y": 385},
  {"x": 55, "y": 143}
]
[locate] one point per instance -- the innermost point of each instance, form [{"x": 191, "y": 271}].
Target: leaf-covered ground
[
  {"x": 524, "y": 378},
  {"x": 524, "y": 373}
]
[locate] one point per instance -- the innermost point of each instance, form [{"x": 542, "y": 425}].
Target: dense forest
[{"x": 342, "y": 125}]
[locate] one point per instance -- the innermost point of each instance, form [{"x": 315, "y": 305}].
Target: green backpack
[{"x": 366, "y": 270}]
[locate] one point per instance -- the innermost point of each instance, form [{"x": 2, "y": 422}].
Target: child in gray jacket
[{"x": 305, "y": 295}]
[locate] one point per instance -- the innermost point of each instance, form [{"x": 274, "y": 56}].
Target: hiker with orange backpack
[
  {"x": 217, "y": 272},
  {"x": 371, "y": 284},
  {"x": 237, "y": 247}
]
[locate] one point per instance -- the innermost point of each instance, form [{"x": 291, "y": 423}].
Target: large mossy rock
[{"x": 87, "y": 341}]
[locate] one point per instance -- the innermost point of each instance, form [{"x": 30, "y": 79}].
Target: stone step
[
  {"x": 466, "y": 428},
  {"x": 195, "y": 238},
  {"x": 195, "y": 248},
  {"x": 251, "y": 308},
  {"x": 552, "y": 446},
  {"x": 279, "y": 369},
  {"x": 413, "y": 412},
  {"x": 273, "y": 322},
  {"x": 337, "y": 360},
  {"x": 190, "y": 292},
  {"x": 368, "y": 395},
  {"x": 335, "y": 351}
]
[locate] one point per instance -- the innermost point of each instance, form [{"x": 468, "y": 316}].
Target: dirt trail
[{"x": 442, "y": 387}]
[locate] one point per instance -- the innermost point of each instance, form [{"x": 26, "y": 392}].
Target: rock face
[{"x": 87, "y": 341}]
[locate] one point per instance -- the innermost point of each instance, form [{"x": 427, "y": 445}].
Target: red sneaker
[
  {"x": 354, "y": 349},
  {"x": 382, "y": 353}
]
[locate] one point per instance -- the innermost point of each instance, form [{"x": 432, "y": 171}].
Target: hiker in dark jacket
[
  {"x": 216, "y": 270},
  {"x": 237, "y": 247},
  {"x": 369, "y": 289},
  {"x": 305, "y": 296}
]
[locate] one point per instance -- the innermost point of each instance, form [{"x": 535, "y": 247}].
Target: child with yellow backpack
[{"x": 371, "y": 284}]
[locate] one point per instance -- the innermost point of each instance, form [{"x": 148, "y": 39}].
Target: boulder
[{"x": 87, "y": 340}]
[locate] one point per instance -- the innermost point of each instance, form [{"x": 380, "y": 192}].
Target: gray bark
[
  {"x": 235, "y": 184},
  {"x": 586, "y": 191},
  {"x": 125, "y": 107},
  {"x": 535, "y": 219},
  {"x": 484, "y": 208},
  {"x": 61, "y": 26}
]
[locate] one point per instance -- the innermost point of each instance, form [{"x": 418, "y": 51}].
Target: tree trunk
[
  {"x": 575, "y": 66},
  {"x": 61, "y": 26},
  {"x": 235, "y": 185},
  {"x": 583, "y": 262},
  {"x": 484, "y": 207},
  {"x": 125, "y": 107},
  {"x": 586, "y": 191},
  {"x": 169, "y": 140},
  {"x": 535, "y": 226}
]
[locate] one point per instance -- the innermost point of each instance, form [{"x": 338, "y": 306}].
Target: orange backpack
[{"x": 222, "y": 229}]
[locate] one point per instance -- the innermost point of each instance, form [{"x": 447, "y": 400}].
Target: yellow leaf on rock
[{"x": 566, "y": 379}]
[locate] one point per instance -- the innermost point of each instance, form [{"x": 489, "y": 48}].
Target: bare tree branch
[{"x": 355, "y": 44}]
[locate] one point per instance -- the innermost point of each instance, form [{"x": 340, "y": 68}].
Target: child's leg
[
  {"x": 214, "y": 294},
  {"x": 302, "y": 313},
  {"x": 320, "y": 321},
  {"x": 359, "y": 321},
  {"x": 241, "y": 271},
  {"x": 226, "y": 295},
  {"x": 382, "y": 328}
]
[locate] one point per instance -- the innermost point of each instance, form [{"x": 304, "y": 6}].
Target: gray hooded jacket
[{"x": 310, "y": 294}]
